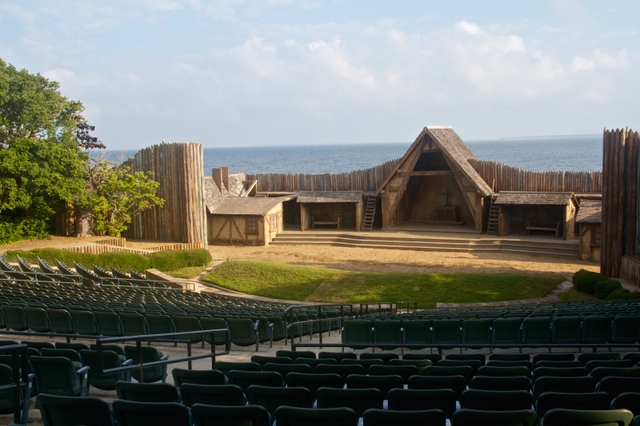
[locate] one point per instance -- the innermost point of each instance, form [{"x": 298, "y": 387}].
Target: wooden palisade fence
[
  {"x": 497, "y": 175},
  {"x": 364, "y": 180},
  {"x": 619, "y": 242},
  {"x": 179, "y": 169},
  {"x": 502, "y": 177}
]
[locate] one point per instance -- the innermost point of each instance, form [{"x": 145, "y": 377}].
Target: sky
[{"x": 236, "y": 73}]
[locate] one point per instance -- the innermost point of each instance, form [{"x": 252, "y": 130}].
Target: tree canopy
[
  {"x": 42, "y": 162},
  {"x": 116, "y": 195}
]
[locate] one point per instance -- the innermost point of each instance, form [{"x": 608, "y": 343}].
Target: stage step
[{"x": 397, "y": 242}]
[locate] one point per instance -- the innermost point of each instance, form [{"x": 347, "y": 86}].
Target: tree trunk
[{"x": 84, "y": 222}]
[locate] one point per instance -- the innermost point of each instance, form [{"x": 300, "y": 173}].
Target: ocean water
[{"x": 567, "y": 153}]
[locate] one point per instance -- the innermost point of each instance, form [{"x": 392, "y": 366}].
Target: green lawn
[{"x": 310, "y": 284}]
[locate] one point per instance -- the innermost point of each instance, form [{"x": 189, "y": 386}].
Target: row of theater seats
[
  {"x": 536, "y": 330},
  {"x": 433, "y": 396}
]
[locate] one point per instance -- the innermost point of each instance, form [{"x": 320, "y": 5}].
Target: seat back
[
  {"x": 67, "y": 353},
  {"x": 460, "y": 370},
  {"x": 423, "y": 399},
  {"x": 313, "y": 381},
  {"x": 562, "y": 417},
  {"x": 271, "y": 398},
  {"x": 344, "y": 370},
  {"x": 133, "y": 413},
  {"x": 293, "y": 416},
  {"x": 614, "y": 386},
  {"x": 628, "y": 400},
  {"x": 192, "y": 393},
  {"x": 624, "y": 329},
  {"x": 356, "y": 333},
  {"x": 38, "y": 320},
  {"x": 244, "y": 379},
  {"x": 84, "y": 322},
  {"x": 577, "y": 401},
  {"x": 199, "y": 377},
  {"x": 383, "y": 383},
  {"x": 89, "y": 411},
  {"x": 61, "y": 321},
  {"x": 146, "y": 354},
  {"x": 211, "y": 324},
  {"x": 511, "y": 383},
  {"x": 226, "y": 366},
  {"x": 110, "y": 359},
  {"x": 359, "y": 400},
  {"x": 481, "y": 399},
  {"x": 476, "y": 331},
  {"x": 133, "y": 324},
  {"x": 57, "y": 376},
  {"x": 565, "y": 329},
  {"x": 456, "y": 383},
  {"x": 404, "y": 371},
  {"x": 109, "y": 323},
  {"x": 506, "y": 330},
  {"x": 582, "y": 384},
  {"x": 470, "y": 417},
  {"x": 417, "y": 332},
  {"x": 377, "y": 417},
  {"x": 147, "y": 392},
  {"x": 16, "y": 318},
  {"x": 242, "y": 331},
  {"x": 536, "y": 330}
]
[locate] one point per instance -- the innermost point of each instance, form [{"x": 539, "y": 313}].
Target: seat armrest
[
  {"x": 83, "y": 370},
  {"x": 127, "y": 362},
  {"x": 164, "y": 357}
]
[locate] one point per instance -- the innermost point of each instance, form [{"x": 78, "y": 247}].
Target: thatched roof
[
  {"x": 535, "y": 198},
  {"x": 459, "y": 153},
  {"x": 330, "y": 197},
  {"x": 249, "y": 206},
  {"x": 453, "y": 148},
  {"x": 590, "y": 211}
]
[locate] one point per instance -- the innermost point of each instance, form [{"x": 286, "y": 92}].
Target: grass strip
[{"x": 314, "y": 284}]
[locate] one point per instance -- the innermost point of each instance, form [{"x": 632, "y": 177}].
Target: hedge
[
  {"x": 585, "y": 281},
  {"x": 168, "y": 260},
  {"x": 606, "y": 287}
]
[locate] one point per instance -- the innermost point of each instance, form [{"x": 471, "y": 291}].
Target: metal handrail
[{"x": 165, "y": 337}]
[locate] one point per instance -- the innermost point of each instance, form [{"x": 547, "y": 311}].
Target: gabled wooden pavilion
[
  {"x": 434, "y": 184},
  {"x": 537, "y": 212}
]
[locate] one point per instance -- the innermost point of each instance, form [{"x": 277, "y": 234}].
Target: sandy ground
[{"x": 365, "y": 259}]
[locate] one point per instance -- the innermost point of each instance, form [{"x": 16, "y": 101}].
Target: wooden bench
[
  {"x": 535, "y": 227},
  {"x": 337, "y": 223}
]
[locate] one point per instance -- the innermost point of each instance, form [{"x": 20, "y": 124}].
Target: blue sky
[{"x": 288, "y": 72}]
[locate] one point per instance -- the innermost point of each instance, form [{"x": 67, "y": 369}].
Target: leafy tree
[
  {"x": 42, "y": 164},
  {"x": 117, "y": 195}
]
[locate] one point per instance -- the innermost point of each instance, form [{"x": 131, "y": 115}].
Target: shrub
[
  {"x": 621, "y": 293},
  {"x": 606, "y": 287},
  {"x": 634, "y": 295},
  {"x": 171, "y": 260},
  {"x": 167, "y": 260},
  {"x": 15, "y": 230},
  {"x": 585, "y": 281}
]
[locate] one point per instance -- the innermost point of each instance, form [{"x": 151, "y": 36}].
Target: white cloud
[{"x": 600, "y": 60}]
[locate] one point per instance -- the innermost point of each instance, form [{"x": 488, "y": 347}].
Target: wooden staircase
[
  {"x": 492, "y": 227},
  {"x": 369, "y": 213}
]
